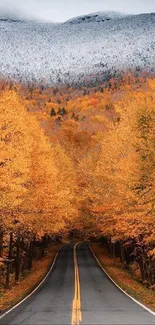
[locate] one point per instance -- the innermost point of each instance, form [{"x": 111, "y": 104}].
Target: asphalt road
[
  {"x": 101, "y": 302},
  {"x": 52, "y": 303}
]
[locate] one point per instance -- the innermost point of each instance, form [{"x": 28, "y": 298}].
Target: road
[{"x": 78, "y": 292}]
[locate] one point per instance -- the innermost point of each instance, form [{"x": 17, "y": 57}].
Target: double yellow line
[{"x": 76, "y": 307}]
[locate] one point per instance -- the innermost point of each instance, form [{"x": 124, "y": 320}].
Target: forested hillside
[
  {"x": 84, "y": 49},
  {"x": 79, "y": 162}
]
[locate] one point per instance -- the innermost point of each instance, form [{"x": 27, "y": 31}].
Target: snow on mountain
[
  {"x": 58, "y": 53},
  {"x": 7, "y": 17},
  {"x": 96, "y": 17}
]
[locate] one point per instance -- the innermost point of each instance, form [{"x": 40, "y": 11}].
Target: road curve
[{"x": 100, "y": 301}]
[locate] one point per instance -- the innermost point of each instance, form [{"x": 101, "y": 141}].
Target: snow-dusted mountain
[
  {"x": 6, "y": 17},
  {"x": 96, "y": 17},
  {"x": 67, "y": 52}
]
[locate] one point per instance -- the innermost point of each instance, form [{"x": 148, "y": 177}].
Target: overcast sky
[{"x": 61, "y": 10}]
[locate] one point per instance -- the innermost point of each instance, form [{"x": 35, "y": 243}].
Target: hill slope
[
  {"x": 96, "y": 17},
  {"x": 52, "y": 53}
]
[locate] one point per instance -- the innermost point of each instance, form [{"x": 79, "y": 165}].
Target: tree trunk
[
  {"x": 110, "y": 247},
  {"x": 34, "y": 248},
  {"x": 113, "y": 249},
  {"x": 141, "y": 266},
  {"x": 1, "y": 254},
  {"x": 45, "y": 242},
  {"x": 122, "y": 253},
  {"x": 27, "y": 257},
  {"x": 1, "y": 243},
  {"x": 9, "y": 261},
  {"x": 17, "y": 263},
  {"x": 30, "y": 262}
]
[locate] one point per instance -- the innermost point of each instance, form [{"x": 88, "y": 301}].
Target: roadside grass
[
  {"x": 29, "y": 282},
  {"x": 124, "y": 277}
]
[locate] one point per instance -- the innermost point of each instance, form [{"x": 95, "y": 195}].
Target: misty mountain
[
  {"x": 96, "y": 47},
  {"x": 96, "y": 17}
]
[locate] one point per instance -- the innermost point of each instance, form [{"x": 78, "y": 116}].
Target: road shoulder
[
  {"x": 30, "y": 281},
  {"x": 123, "y": 277}
]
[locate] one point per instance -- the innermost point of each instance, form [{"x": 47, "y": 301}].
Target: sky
[{"x": 61, "y": 10}]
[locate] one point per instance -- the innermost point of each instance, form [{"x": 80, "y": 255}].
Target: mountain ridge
[
  {"x": 96, "y": 17},
  {"x": 68, "y": 53}
]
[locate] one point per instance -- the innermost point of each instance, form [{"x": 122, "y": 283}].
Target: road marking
[
  {"x": 136, "y": 301},
  {"x": 19, "y": 303},
  {"x": 76, "y": 306}
]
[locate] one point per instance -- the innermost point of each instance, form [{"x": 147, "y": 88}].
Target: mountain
[
  {"x": 72, "y": 52},
  {"x": 9, "y": 18},
  {"x": 96, "y": 17}
]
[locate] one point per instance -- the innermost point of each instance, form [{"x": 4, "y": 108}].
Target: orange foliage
[{"x": 97, "y": 163}]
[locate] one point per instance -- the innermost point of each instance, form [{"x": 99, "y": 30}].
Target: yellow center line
[{"x": 76, "y": 307}]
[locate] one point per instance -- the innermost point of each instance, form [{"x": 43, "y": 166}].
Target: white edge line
[
  {"x": 136, "y": 301},
  {"x": 19, "y": 303}
]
